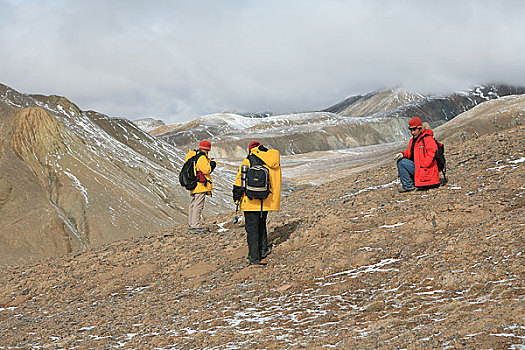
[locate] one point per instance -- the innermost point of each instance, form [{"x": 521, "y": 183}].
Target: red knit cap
[
  {"x": 414, "y": 122},
  {"x": 253, "y": 144},
  {"x": 205, "y": 145}
]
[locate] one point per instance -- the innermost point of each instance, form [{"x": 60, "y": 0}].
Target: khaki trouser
[{"x": 195, "y": 209}]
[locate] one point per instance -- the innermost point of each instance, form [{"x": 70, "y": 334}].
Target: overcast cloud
[{"x": 175, "y": 60}]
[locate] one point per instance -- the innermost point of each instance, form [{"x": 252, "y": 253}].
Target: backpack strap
[
  {"x": 444, "y": 170},
  {"x": 254, "y": 160},
  {"x": 195, "y": 160},
  {"x": 423, "y": 138}
]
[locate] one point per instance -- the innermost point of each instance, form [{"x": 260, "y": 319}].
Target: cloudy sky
[{"x": 175, "y": 60}]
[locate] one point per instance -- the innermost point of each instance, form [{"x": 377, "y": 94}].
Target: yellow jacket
[
  {"x": 273, "y": 201},
  {"x": 203, "y": 165}
]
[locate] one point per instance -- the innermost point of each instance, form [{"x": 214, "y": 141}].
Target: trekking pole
[
  {"x": 236, "y": 218},
  {"x": 244, "y": 170}
]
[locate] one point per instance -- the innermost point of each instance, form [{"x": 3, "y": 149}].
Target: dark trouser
[{"x": 256, "y": 235}]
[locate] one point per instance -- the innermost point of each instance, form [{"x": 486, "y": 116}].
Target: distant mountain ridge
[
  {"x": 291, "y": 134},
  {"x": 374, "y": 102},
  {"x": 362, "y": 120},
  {"x": 439, "y": 109},
  {"x": 148, "y": 124}
]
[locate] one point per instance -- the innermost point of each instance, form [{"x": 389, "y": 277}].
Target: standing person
[
  {"x": 416, "y": 166},
  {"x": 203, "y": 169},
  {"x": 256, "y": 210}
]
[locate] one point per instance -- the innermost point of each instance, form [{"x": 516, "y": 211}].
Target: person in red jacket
[{"x": 416, "y": 166}]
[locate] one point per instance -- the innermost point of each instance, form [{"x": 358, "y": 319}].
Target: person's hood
[
  {"x": 427, "y": 132},
  {"x": 271, "y": 157},
  {"x": 193, "y": 152}
]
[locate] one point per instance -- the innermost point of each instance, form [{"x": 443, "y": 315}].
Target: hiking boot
[
  {"x": 267, "y": 252},
  {"x": 403, "y": 190},
  {"x": 252, "y": 266},
  {"x": 197, "y": 231},
  {"x": 261, "y": 263}
]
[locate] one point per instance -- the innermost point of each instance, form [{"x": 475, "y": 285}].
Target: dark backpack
[
  {"x": 187, "y": 177},
  {"x": 440, "y": 157},
  {"x": 257, "y": 179}
]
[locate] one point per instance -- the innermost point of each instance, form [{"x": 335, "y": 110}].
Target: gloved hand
[
  {"x": 237, "y": 193},
  {"x": 398, "y": 156}
]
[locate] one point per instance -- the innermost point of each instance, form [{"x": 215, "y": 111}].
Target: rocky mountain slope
[
  {"x": 291, "y": 134},
  {"x": 355, "y": 265},
  {"x": 439, "y": 109},
  {"x": 363, "y": 120},
  {"x": 71, "y": 179},
  {"x": 374, "y": 102},
  {"x": 148, "y": 124}
]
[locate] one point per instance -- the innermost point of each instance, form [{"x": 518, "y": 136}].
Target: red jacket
[{"x": 427, "y": 172}]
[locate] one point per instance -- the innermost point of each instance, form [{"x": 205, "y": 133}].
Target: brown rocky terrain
[{"x": 355, "y": 265}]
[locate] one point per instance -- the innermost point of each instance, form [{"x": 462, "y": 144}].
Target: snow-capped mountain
[
  {"x": 291, "y": 134},
  {"x": 374, "y": 102},
  {"x": 148, "y": 124},
  {"x": 72, "y": 179},
  {"x": 363, "y": 120},
  {"x": 438, "y": 109}
]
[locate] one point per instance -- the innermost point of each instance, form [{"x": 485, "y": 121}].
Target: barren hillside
[
  {"x": 71, "y": 179},
  {"x": 355, "y": 265}
]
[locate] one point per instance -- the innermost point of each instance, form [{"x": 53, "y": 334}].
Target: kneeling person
[{"x": 416, "y": 166}]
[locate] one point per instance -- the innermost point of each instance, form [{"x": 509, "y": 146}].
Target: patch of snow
[
  {"x": 498, "y": 168},
  {"x": 221, "y": 225},
  {"x": 432, "y": 292},
  {"x": 78, "y": 186},
  {"x": 353, "y": 273},
  {"x": 8, "y": 308},
  {"x": 392, "y": 226},
  {"x": 517, "y": 347},
  {"x": 516, "y": 161},
  {"x": 369, "y": 249},
  {"x": 507, "y": 335},
  {"x": 370, "y": 189}
]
